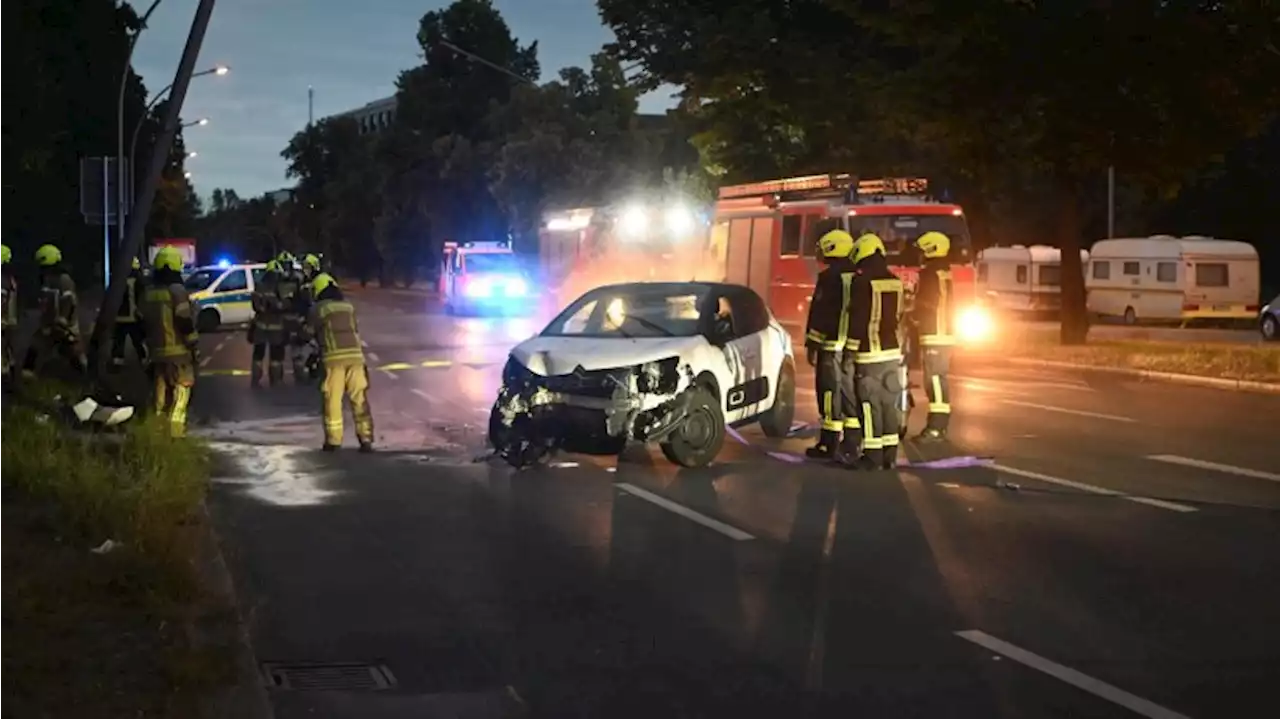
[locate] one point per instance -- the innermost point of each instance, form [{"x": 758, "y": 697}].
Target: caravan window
[
  {"x": 1131, "y": 268},
  {"x": 1022, "y": 275},
  {"x": 792, "y": 231},
  {"x": 1166, "y": 271},
  {"x": 1211, "y": 274},
  {"x": 982, "y": 272},
  {"x": 1051, "y": 275},
  {"x": 1101, "y": 270}
]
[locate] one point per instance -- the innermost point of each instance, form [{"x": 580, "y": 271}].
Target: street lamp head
[
  {"x": 186, "y": 175},
  {"x": 221, "y": 70},
  {"x": 193, "y": 154},
  {"x": 202, "y": 121}
]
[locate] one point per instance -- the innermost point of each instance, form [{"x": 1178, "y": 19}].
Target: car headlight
[
  {"x": 517, "y": 288},
  {"x": 478, "y": 289},
  {"x": 975, "y": 324}
]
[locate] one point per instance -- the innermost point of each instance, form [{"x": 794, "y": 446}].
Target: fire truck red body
[{"x": 767, "y": 233}]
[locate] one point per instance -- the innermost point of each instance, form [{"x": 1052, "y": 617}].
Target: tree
[
  {"x": 1019, "y": 97},
  {"x": 64, "y": 61}
]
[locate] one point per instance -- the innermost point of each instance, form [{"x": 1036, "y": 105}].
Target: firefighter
[
  {"x": 59, "y": 313},
  {"x": 825, "y": 336},
  {"x": 171, "y": 339},
  {"x": 875, "y": 311},
  {"x": 10, "y": 288},
  {"x": 333, "y": 322},
  {"x": 302, "y": 352},
  {"x": 267, "y": 328},
  {"x": 933, "y": 316},
  {"x": 289, "y": 297},
  {"x": 129, "y": 319}
]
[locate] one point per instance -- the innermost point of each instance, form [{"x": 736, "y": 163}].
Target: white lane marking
[
  {"x": 712, "y": 524},
  {"x": 373, "y": 356},
  {"x": 1171, "y": 506},
  {"x": 389, "y": 373},
  {"x": 426, "y": 397},
  {"x": 221, "y": 344},
  {"x": 979, "y": 386},
  {"x": 364, "y": 344},
  {"x": 1214, "y": 466},
  {"x": 205, "y": 362},
  {"x": 1064, "y": 410},
  {"x": 1079, "y": 680}
]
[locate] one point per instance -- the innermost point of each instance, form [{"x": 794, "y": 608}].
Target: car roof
[
  {"x": 249, "y": 266},
  {"x": 673, "y": 286}
]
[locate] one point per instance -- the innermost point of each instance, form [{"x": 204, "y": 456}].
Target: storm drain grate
[{"x": 317, "y": 677}]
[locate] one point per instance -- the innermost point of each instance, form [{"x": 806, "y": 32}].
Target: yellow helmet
[
  {"x": 285, "y": 258},
  {"x": 867, "y": 245},
  {"x": 5, "y": 254},
  {"x": 836, "y": 244},
  {"x": 48, "y": 255},
  {"x": 136, "y": 264},
  {"x": 168, "y": 258},
  {"x": 311, "y": 261},
  {"x": 322, "y": 282},
  {"x": 934, "y": 244}
]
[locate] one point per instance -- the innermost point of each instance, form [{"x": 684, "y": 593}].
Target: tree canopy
[
  {"x": 65, "y": 58},
  {"x": 1023, "y": 103}
]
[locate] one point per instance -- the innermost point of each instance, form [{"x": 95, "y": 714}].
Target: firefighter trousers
[
  {"x": 850, "y": 407},
  {"x": 261, "y": 350},
  {"x": 827, "y": 385},
  {"x": 55, "y": 341},
  {"x": 350, "y": 380},
  {"x": 174, "y": 379},
  {"x": 937, "y": 366},
  {"x": 132, "y": 331},
  {"x": 880, "y": 391}
]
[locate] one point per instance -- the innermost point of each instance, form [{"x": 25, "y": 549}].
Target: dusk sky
[{"x": 351, "y": 52}]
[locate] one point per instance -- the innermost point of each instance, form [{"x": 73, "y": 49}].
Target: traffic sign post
[{"x": 100, "y": 200}]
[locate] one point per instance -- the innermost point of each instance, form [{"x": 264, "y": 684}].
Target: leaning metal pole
[{"x": 143, "y": 200}]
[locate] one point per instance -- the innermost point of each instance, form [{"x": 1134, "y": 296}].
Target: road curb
[
  {"x": 1235, "y": 385},
  {"x": 246, "y": 698}
]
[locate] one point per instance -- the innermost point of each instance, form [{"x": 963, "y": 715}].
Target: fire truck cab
[
  {"x": 478, "y": 277},
  {"x": 769, "y": 233}
]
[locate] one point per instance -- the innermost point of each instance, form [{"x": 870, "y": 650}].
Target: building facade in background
[{"x": 372, "y": 117}]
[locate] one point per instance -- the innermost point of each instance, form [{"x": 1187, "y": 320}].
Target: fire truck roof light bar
[{"x": 827, "y": 184}]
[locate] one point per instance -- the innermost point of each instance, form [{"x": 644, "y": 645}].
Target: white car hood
[{"x": 549, "y": 356}]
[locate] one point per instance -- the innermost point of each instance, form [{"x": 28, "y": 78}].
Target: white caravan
[
  {"x": 1021, "y": 278},
  {"x": 1166, "y": 278}
]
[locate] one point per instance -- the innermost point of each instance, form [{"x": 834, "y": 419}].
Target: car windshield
[
  {"x": 901, "y": 231},
  {"x": 201, "y": 279},
  {"x": 495, "y": 262},
  {"x": 660, "y": 310}
]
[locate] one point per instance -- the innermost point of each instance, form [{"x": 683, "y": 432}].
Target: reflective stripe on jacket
[{"x": 334, "y": 325}]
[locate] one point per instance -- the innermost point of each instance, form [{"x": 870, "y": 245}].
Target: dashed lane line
[
  {"x": 1079, "y": 680},
  {"x": 1215, "y": 466},
  {"x": 1092, "y": 489},
  {"x": 224, "y": 373},
  {"x": 1064, "y": 410},
  {"x": 713, "y": 524}
]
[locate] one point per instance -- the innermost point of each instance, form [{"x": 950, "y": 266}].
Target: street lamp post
[
  {"x": 133, "y": 143},
  {"x": 120, "y": 170}
]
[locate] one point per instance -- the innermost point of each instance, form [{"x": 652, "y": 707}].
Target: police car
[
  {"x": 483, "y": 278},
  {"x": 672, "y": 363},
  {"x": 223, "y": 293}
]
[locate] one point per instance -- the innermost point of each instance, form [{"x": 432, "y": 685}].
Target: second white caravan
[{"x": 1173, "y": 279}]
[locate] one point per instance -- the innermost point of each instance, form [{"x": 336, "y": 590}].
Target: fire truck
[
  {"x": 770, "y": 231},
  {"x": 584, "y": 248}
]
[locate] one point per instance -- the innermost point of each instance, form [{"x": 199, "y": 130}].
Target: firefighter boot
[
  {"x": 275, "y": 373},
  {"x": 890, "y": 457},
  {"x": 366, "y": 447},
  {"x": 932, "y": 434},
  {"x": 850, "y": 445},
  {"x": 828, "y": 441},
  {"x": 256, "y": 372}
]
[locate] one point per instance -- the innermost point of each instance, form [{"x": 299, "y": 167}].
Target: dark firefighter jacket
[
  {"x": 828, "y": 325},
  {"x": 876, "y": 304},
  {"x": 935, "y": 303}
]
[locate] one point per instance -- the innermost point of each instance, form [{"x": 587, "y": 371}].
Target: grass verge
[
  {"x": 103, "y": 634},
  {"x": 1258, "y": 363}
]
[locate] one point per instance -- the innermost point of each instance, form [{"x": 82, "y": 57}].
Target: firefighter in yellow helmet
[
  {"x": 129, "y": 319},
  {"x": 876, "y": 305},
  {"x": 826, "y": 333},
  {"x": 171, "y": 339},
  {"x": 292, "y": 309},
  {"x": 59, "y": 313},
  {"x": 266, "y": 330},
  {"x": 934, "y": 316},
  {"x": 333, "y": 322},
  {"x": 300, "y": 352},
  {"x": 10, "y": 288}
]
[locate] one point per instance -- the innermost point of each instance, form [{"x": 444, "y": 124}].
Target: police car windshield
[
  {"x": 629, "y": 311},
  {"x": 901, "y": 231},
  {"x": 492, "y": 263},
  {"x": 201, "y": 279}
]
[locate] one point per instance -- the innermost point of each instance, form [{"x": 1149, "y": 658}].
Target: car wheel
[
  {"x": 1270, "y": 328},
  {"x": 1130, "y": 317},
  {"x": 777, "y": 421},
  {"x": 208, "y": 320},
  {"x": 701, "y": 436}
]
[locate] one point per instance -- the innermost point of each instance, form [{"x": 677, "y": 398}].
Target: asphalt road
[{"x": 1121, "y": 557}]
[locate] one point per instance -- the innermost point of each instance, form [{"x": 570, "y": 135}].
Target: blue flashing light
[{"x": 224, "y": 263}]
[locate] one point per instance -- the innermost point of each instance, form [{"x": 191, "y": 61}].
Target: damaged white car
[{"x": 668, "y": 362}]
